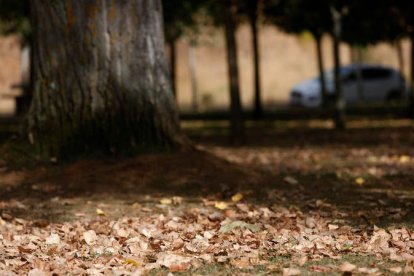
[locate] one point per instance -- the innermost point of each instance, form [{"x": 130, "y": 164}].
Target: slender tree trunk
[
  {"x": 339, "y": 113},
  {"x": 192, "y": 65},
  {"x": 253, "y": 16},
  {"x": 400, "y": 56},
  {"x": 173, "y": 65},
  {"x": 411, "y": 90},
  {"x": 360, "y": 83},
  {"x": 237, "y": 135},
  {"x": 324, "y": 93},
  {"x": 101, "y": 80}
]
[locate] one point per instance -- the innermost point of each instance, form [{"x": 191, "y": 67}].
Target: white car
[{"x": 378, "y": 84}]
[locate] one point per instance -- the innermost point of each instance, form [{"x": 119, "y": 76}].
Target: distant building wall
[{"x": 10, "y": 73}]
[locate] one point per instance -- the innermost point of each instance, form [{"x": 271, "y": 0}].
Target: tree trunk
[
  {"x": 400, "y": 56},
  {"x": 411, "y": 90},
  {"x": 253, "y": 15},
  {"x": 101, "y": 80},
  {"x": 237, "y": 134},
  {"x": 324, "y": 93},
  {"x": 339, "y": 113},
  {"x": 173, "y": 65},
  {"x": 192, "y": 65},
  {"x": 360, "y": 83}
]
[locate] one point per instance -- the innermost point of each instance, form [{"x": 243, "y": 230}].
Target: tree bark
[
  {"x": 192, "y": 66},
  {"x": 237, "y": 135},
  {"x": 101, "y": 80},
  {"x": 411, "y": 90},
  {"x": 253, "y": 16},
  {"x": 324, "y": 93},
  {"x": 173, "y": 65},
  {"x": 339, "y": 113},
  {"x": 400, "y": 56}
]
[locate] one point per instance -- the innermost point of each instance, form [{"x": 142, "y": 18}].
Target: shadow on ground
[{"x": 305, "y": 169}]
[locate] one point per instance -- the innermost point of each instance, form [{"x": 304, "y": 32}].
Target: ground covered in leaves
[{"x": 293, "y": 201}]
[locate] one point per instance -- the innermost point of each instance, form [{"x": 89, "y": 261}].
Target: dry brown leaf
[
  {"x": 242, "y": 263},
  {"x": 166, "y": 201},
  {"x": 169, "y": 259},
  {"x": 360, "y": 181},
  {"x": 396, "y": 269},
  {"x": 291, "y": 271},
  {"x": 53, "y": 239},
  {"x": 404, "y": 159},
  {"x": 333, "y": 227},
  {"x": 132, "y": 262},
  {"x": 237, "y": 197},
  {"x": 221, "y": 205},
  {"x": 100, "y": 212},
  {"x": 291, "y": 180},
  {"x": 36, "y": 272},
  {"x": 347, "y": 267},
  {"x": 310, "y": 222},
  {"x": 303, "y": 260},
  {"x": 89, "y": 237}
]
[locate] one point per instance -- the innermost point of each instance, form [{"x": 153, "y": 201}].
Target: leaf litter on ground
[{"x": 170, "y": 233}]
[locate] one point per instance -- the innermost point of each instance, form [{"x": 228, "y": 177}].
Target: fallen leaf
[
  {"x": 404, "y": 159},
  {"x": 216, "y": 216},
  {"x": 239, "y": 224},
  {"x": 396, "y": 269},
  {"x": 166, "y": 201},
  {"x": 333, "y": 227},
  {"x": 24, "y": 250},
  {"x": 169, "y": 260},
  {"x": 320, "y": 268},
  {"x": 368, "y": 270},
  {"x": 237, "y": 197},
  {"x": 291, "y": 180},
  {"x": 53, "y": 239},
  {"x": 99, "y": 212},
  {"x": 380, "y": 240},
  {"x": 132, "y": 262},
  {"x": 89, "y": 237},
  {"x": 310, "y": 222},
  {"x": 303, "y": 260},
  {"x": 177, "y": 200},
  {"x": 360, "y": 181},
  {"x": 408, "y": 269},
  {"x": 347, "y": 267},
  {"x": 179, "y": 267},
  {"x": 35, "y": 272},
  {"x": 136, "y": 205},
  {"x": 291, "y": 271},
  {"x": 221, "y": 205},
  {"x": 242, "y": 263}
]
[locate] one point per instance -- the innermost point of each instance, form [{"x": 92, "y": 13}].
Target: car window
[
  {"x": 375, "y": 73},
  {"x": 351, "y": 77}
]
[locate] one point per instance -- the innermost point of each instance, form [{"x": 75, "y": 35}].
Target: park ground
[{"x": 299, "y": 198}]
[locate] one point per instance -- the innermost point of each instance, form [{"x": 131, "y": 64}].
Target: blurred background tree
[
  {"x": 14, "y": 18},
  {"x": 180, "y": 18},
  {"x": 298, "y": 16}
]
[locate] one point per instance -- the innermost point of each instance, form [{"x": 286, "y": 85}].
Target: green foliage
[
  {"x": 364, "y": 22},
  {"x": 14, "y": 18},
  {"x": 369, "y": 22},
  {"x": 297, "y": 16},
  {"x": 180, "y": 17}
]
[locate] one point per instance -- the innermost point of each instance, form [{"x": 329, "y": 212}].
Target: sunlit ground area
[{"x": 298, "y": 198}]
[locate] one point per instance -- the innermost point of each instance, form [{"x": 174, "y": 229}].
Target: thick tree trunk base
[{"x": 101, "y": 79}]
